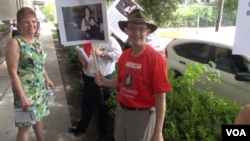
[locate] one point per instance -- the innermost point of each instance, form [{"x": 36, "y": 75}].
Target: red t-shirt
[{"x": 142, "y": 77}]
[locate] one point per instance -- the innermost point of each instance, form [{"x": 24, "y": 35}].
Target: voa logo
[{"x": 236, "y": 132}]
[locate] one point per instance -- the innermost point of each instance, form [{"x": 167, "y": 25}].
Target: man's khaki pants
[{"x": 134, "y": 125}]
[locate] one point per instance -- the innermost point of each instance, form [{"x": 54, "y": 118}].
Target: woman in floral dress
[{"x": 25, "y": 62}]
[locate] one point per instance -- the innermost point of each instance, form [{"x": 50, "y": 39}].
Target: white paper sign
[{"x": 242, "y": 32}]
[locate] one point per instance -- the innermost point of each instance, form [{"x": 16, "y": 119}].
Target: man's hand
[
  {"x": 99, "y": 78},
  {"x": 98, "y": 51}
]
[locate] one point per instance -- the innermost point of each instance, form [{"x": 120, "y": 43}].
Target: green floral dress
[{"x": 31, "y": 74}]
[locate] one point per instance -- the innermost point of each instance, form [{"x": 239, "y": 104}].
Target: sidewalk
[{"x": 57, "y": 123}]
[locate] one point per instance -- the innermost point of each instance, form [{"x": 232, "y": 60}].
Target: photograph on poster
[
  {"x": 125, "y": 7},
  {"x": 82, "y": 22},
  {"x": 118, "y": 11}
]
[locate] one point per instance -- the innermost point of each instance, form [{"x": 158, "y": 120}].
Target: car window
[
  {"x": 196, "y": 51},
  {"x": 240, "y": 63},
  {"x": 230, "y": 63},
  {"x": 181, "y": 49},
  {"x": 247, "y": 64},
  {"x": 224, "y": 60}
]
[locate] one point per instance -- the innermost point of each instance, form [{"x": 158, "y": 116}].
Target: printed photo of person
[
  {"x": 125, "y": 7},
  {"x": 94, "y": 31},
  {"x": 87, "y": 12},
  {"x": 74, "y": 22}
]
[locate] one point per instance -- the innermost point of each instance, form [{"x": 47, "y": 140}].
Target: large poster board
[
  {"x": 118, "y": 11},
  {"x": 82, "y": 21},
  {"x": 242, "y": 31}
]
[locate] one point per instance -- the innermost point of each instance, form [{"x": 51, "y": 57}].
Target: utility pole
[{"x": 219, "y": 17}]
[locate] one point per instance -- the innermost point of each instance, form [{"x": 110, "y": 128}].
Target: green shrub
[
  {"x": 111, "y": 103},
  {"x": 75, "y": 66},
  {"x": 193, "y": 114},
  {"x": 54, "y": 34}
]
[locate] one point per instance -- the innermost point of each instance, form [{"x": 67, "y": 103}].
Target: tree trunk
[{"x": 219, "y": 17}]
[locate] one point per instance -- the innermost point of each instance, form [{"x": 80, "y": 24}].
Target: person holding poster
[
  {"x": 142, "y": 82},
  {"x": 107, "y": 56}
]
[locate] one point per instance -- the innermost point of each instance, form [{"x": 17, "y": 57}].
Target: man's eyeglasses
[{"x": 134, "y": 29}]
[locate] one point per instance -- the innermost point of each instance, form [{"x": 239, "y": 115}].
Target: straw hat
[{"x": 137, "y": 16}]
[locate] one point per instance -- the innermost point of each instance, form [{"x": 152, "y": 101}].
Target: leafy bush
[
  {"x": 75, "y": 64},
  {"x": 4, "y": 27},
  {"x": 193, "y": 114},
  {"x": 201, "y": 15},
  {"x": 111, "y": 102}
]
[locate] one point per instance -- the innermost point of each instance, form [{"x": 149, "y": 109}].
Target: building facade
[{"x": 8, "y": 9}]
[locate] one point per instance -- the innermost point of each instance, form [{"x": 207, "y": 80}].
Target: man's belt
[{"x": 132, "y": 108}]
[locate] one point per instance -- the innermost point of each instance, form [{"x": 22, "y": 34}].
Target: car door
[
  {"x": 229, "y": 65},
  {"x": 196, "y": 52}
]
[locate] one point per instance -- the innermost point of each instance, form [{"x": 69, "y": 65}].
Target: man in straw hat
[{"x": 142, "y": 82}]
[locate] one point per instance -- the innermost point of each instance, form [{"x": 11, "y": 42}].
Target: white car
[
  {"x": 234, "y": 69},
  {"x": 158, "y": 43}
]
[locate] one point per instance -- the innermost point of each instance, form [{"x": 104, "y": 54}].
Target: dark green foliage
[
  {"x": 111, "y": 102},
  {"x": 160, "y": 11},
  {"x": 4, "y": 27},
  {"x": 200, "y": 15},
  {"x": 196, "y": 115},
  {"x": 75, "y": 66},
  {"x": 54, "y": 34},
  {"x": 229, "y": 5}
]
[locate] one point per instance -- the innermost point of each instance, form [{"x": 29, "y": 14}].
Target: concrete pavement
[{"x": 57, "y": 123}]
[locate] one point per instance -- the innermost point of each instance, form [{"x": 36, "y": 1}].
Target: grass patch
[
  {"x": 172, "y": 34},
  {"x": 54, "y": 34}
]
